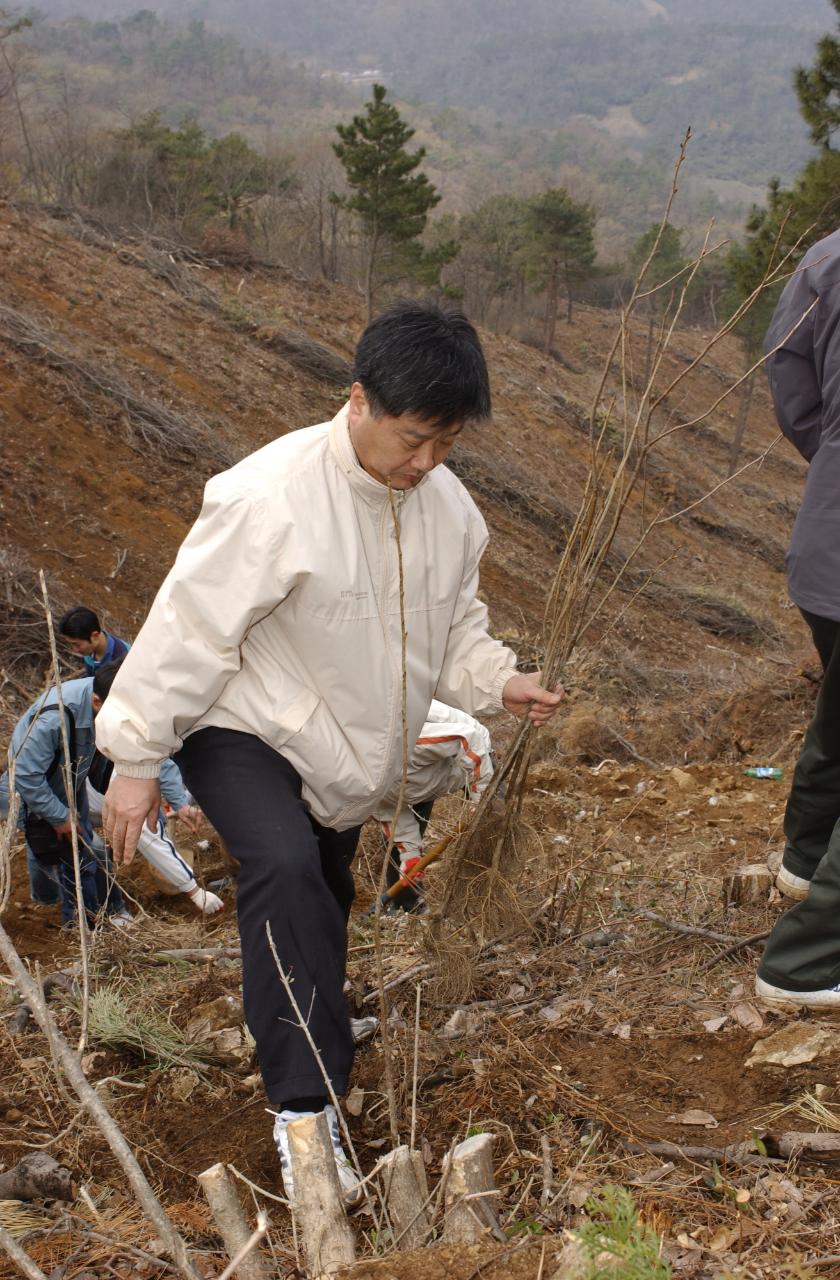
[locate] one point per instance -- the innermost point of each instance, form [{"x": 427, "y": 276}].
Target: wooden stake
[
  {"x": 470, "y": 1189},
  {"x": 407, "y": 1197},
  {"x": 318, "y": 1203},
  {"x": 229, "y": 1217}
]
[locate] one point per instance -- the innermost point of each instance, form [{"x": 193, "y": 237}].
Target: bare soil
[{"x": 592, "y": 1028}]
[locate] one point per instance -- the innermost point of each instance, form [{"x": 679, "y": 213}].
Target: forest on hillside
[{"x": 638, "y": 72}]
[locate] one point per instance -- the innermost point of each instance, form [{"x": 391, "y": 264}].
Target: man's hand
[
  {"x": 64, "y": 830},
  {"x": 524, "y": 695},
  {"x": 191, "y": 816},
  {"x": 129, "y": 803}
]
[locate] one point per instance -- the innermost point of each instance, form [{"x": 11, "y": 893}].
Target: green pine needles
[
  {"x": 144, "y": 1033},
  {"x": 617, "y": 1245}
]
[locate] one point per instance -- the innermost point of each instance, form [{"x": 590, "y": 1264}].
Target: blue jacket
[
  {"x": 37, "y": 738},
  {"x": 114, "y": 649}
]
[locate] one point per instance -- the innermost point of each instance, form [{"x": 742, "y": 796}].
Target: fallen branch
[
  {"x": 19, "y": 1256},
  {"x": 31, "y": 992},
  {"x": 690, "y": 930},
  {"x": 702, "y": 1155},
  {"x": 416, "y": 971},
  {"x": 819, "y": 1146},
  {"x": 751, "y": 941},
  {"x": 196, "y": 953}
]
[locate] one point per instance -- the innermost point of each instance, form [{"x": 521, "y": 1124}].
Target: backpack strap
[{"x": 59, "y": 751}]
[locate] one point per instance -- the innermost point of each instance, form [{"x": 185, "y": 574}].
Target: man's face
[
  {"x": 82, "y": 648},
  {"x": 400, "y": 450}
]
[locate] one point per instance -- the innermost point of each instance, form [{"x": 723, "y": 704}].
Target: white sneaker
[
  {"x": 354, "y": 1192},
  {"x": 781, "y": 997},
  {"x": 208, "y": 903},
  {"x": 792, "y": 886},
  {"x": 120, "y": 919},
  {"x": 363, "y": 1028}
]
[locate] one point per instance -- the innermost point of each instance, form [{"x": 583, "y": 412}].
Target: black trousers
[
  {"x": 813, "y": 807},
  {"x": 803, "y": 951},
  {"x": 294, "y": 875}
]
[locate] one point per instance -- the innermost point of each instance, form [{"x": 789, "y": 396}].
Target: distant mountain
[{"x": 637, "y": 70}]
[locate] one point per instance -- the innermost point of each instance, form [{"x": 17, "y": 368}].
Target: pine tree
[
  {"x": 818, "y": 89},
  {"x": 391, "y": 200},
  {"x": 748, "y": 266},
  {"x": 561, "y": 251}
]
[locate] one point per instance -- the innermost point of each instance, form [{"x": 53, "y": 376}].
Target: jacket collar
[{"x": 372, "y": 491}]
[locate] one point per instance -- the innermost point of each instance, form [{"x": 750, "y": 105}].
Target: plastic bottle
[{"x": 764, "y": 771}]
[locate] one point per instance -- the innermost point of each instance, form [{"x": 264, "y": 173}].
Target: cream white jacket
[{"x": 281, "y": 618}]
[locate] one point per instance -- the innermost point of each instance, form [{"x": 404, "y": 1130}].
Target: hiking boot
[
  {"x": 792, "y": 886},
  {"x": 780, "y": 997},
  {"x": 364, "y": 1028},
  {"x": 351, "y": 1187}
]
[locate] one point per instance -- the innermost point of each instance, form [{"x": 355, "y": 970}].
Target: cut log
[
  {"x": 37, "y": 1177},
  {"x": 819, "y": 1146},
  {"x": 469, "y": 1212},
  {"x": 751, "y": 883},
  {"x": 230, "y": 1219},
  {"x": 407, "y": 1196},
  {"x": 318, "y": 1203}
]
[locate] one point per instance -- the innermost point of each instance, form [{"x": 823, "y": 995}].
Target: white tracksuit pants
[{"x": 154, "y": 846}]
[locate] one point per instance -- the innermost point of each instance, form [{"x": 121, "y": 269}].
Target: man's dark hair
[
  {"x": 417, "y": 358},
  {"x": 79, "y": 623},
  {"x": 104, "y": 677}
]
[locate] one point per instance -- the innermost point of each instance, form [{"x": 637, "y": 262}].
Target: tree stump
[
  {"x": 318, "y": 1205},
  {"x": 751, "y": 883},
  {"x": 229, "y": 1217},
  {"x": 469, "y": 1211},
  {"x": 407, "y": 1195}
]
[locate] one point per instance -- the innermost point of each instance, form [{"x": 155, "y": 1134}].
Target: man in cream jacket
[{"x": 272, "y": 662}]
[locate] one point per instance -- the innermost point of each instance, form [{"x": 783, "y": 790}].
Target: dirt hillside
[{"x": 127, "y": 376}]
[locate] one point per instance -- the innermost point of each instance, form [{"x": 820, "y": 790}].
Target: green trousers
[{"x": 803, "y": 951}]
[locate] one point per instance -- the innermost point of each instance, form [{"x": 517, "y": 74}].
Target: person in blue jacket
[
  {"x": 82, "y": 632},
  {"x": 36, "y": 752}
]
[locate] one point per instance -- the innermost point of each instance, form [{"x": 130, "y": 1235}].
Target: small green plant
[
  {"x": 617, "y": 1245},
  {"x": 236, "y": 313},
  {"x": 525, "y": 1226}
]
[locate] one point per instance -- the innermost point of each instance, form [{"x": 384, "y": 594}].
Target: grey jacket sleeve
[
  {"x": 32, "y": 765},
  {"x": 789, "y": 347}
]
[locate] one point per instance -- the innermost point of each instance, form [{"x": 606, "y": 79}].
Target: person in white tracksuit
[
  {"x": 163, "y": 857},
  {"x": 451, "y": 756}
]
